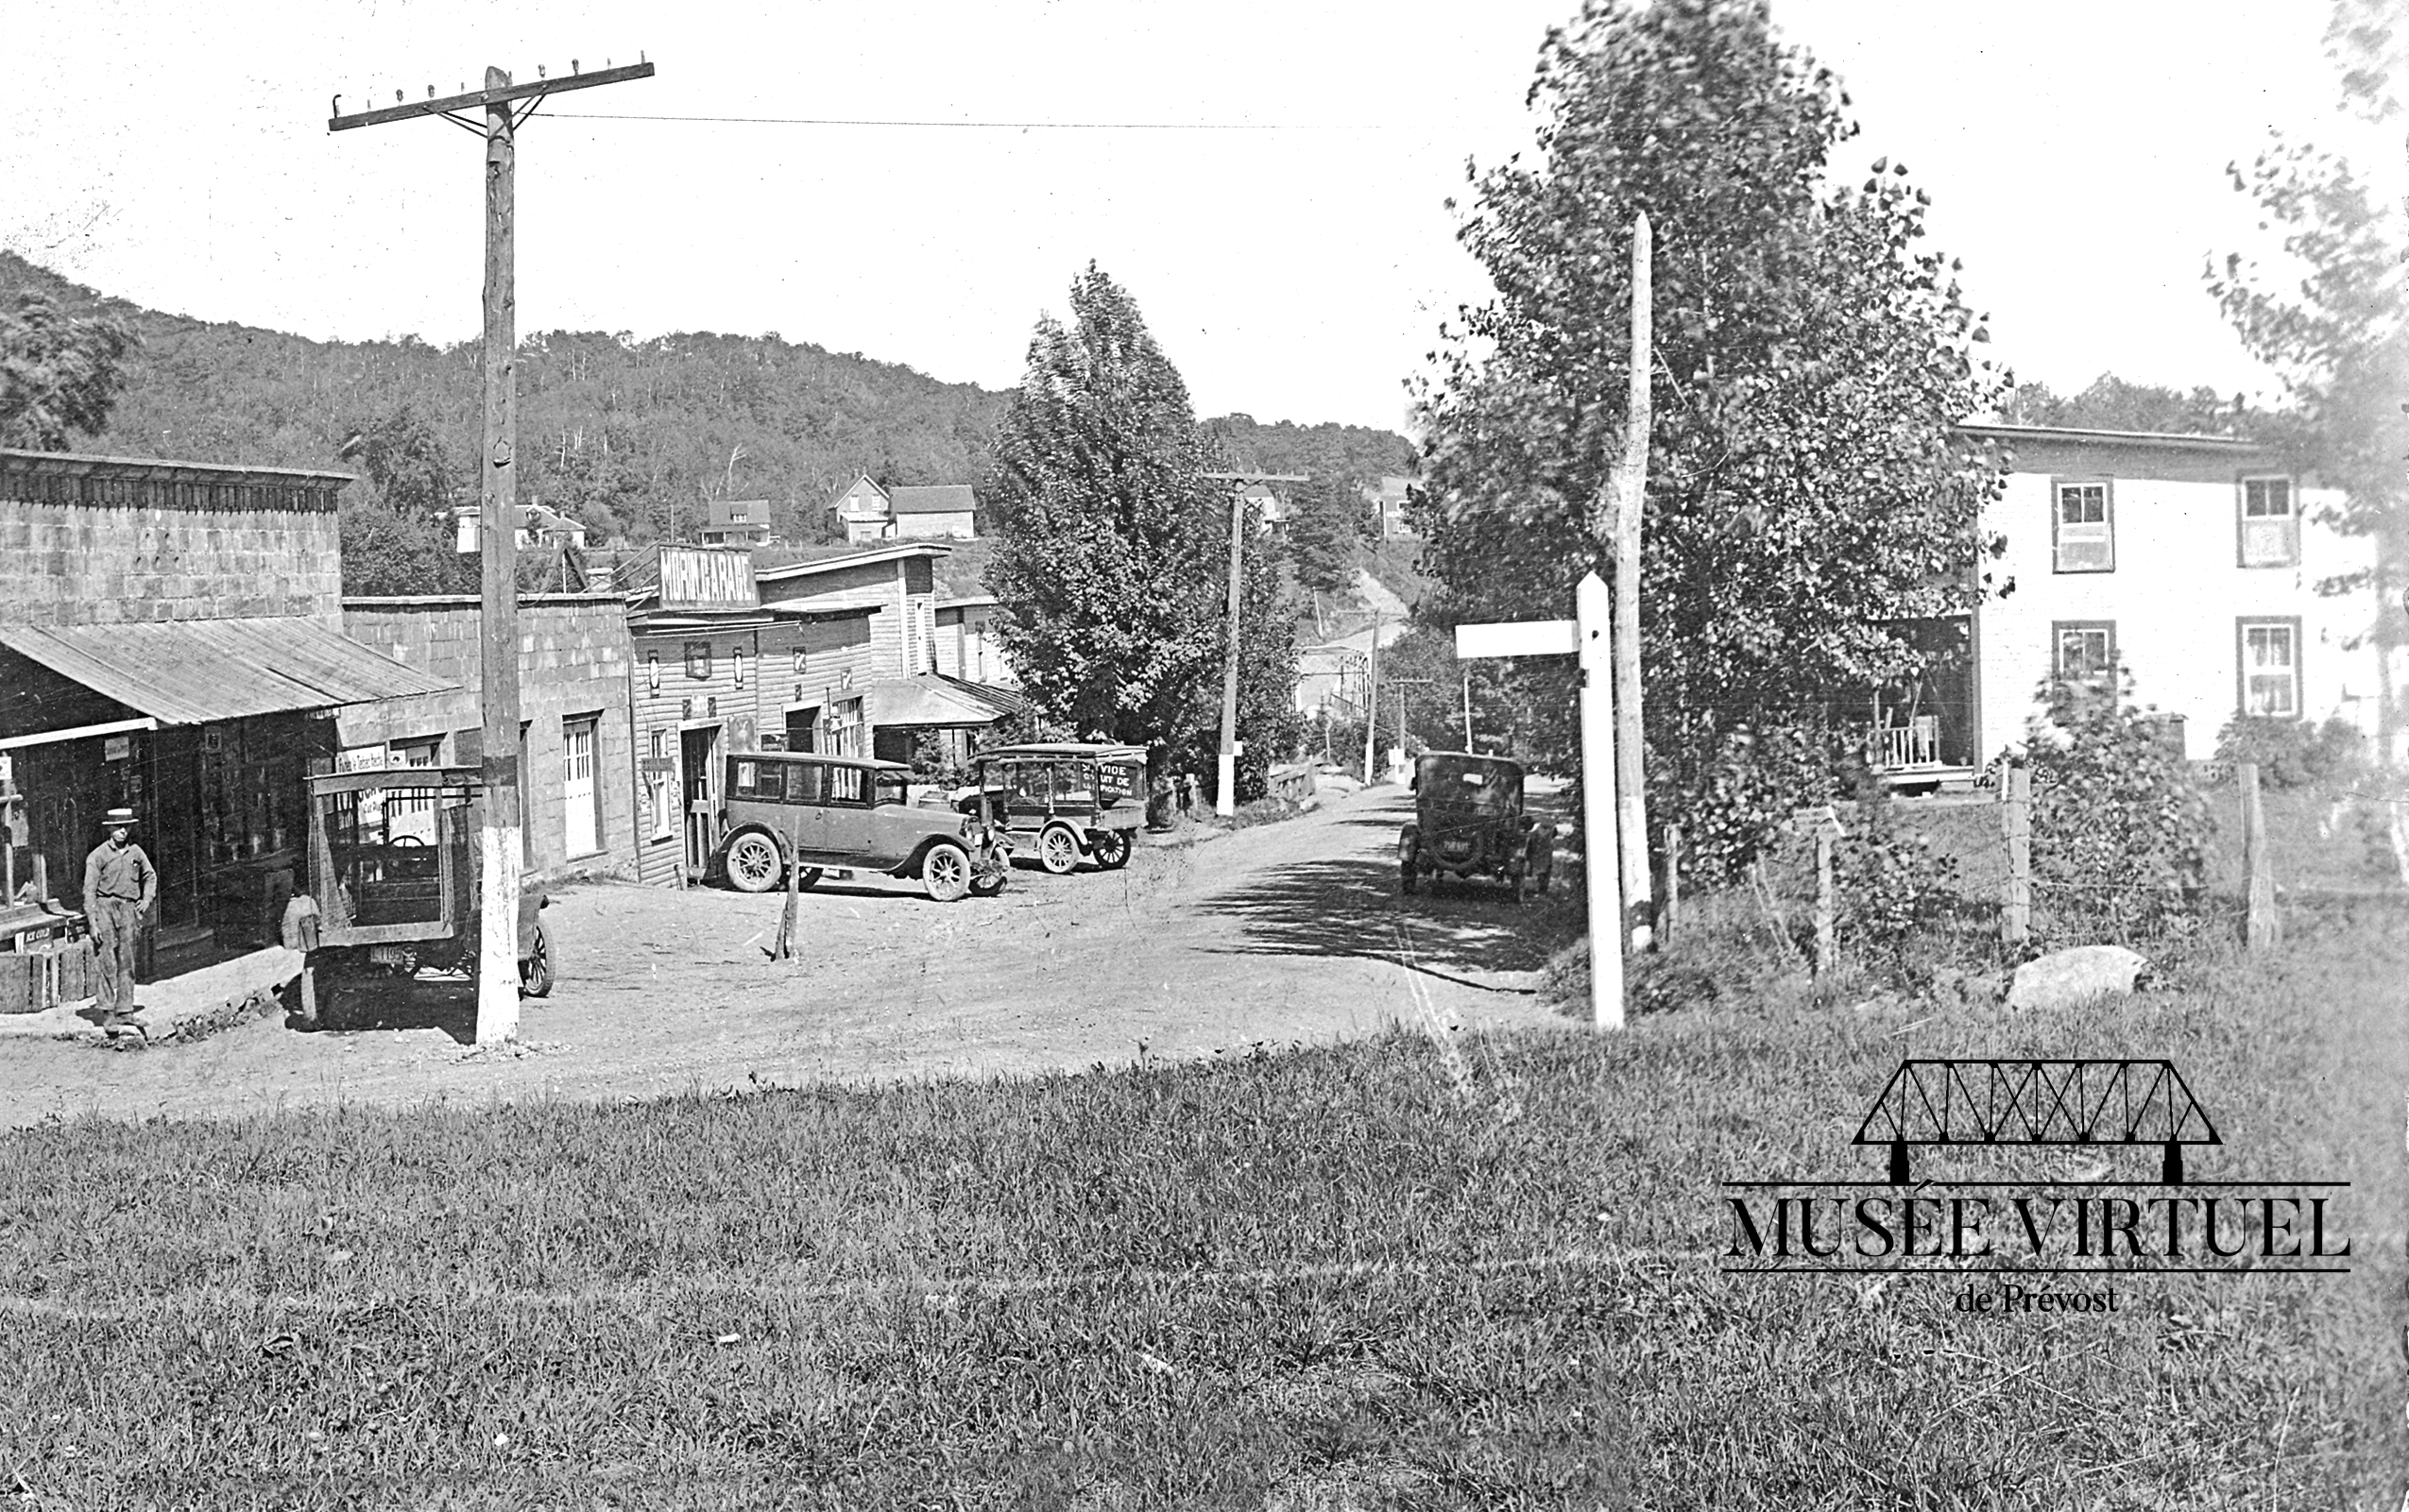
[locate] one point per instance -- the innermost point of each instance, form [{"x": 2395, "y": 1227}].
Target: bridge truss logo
[{"x": 2054, "y": 1167}]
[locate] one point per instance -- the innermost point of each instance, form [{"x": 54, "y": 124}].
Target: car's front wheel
[
  {"x": 754, "y": 864},
  {"x": 535, "y": 971},
  {"x": 1058, "y": 850},
  {"x": 945, "y": 872},
  {"x": 1112, "y": 848}
]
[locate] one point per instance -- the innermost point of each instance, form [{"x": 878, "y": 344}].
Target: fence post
[
  {"x": 1671, "y": 892},
  {"x": 2016, "y": 823},
  {"x": 2260, "y": 928},
  {"x": 1827, "y": 944}
]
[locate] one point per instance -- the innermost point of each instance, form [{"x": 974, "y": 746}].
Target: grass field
[{"x": 1369, "y": 1276}]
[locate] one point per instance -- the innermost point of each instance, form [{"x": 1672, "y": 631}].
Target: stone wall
[
  {"x": 573, "y": 662},
  {"x": 99, "y": 540}
]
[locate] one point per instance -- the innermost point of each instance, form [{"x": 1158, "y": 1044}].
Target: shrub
[
  {"x": 2120, "y": 835},
  {"x": 2290, "y": 754},
  {"x": 1891, "y": 883}
]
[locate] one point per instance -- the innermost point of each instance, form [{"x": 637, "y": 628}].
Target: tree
[
  {"x": 1324, "y": 527},
  {"x": 59, "y": 375},
  {"x": 1112, "y": 549},
  {"x": 1805, "y": 491},
  {"x": 2110, "y": 403},
  {"x": 397, "y": 530},
  {"x": 2334, "y": 322}
]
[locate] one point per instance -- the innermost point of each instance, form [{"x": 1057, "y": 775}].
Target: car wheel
[
  {"x": 945, "y": 872},
  {"x": 754, "y": 864},
  {"x": 1058, "y": 850},
  {"x": 1406, "y": 875},
  {"x": 534, "y": 971},
  {"x": 806, "y": 878},
  {"x": 988, "y": 885},
  {"x": 1112, "y": 849}
]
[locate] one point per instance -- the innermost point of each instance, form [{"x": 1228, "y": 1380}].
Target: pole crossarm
[
  {"x": 2036, "y": 1102},
  {"x": 481, "y": 99}
]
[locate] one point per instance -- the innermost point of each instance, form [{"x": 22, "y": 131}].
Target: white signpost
[{"x": 1585, "y": 635}]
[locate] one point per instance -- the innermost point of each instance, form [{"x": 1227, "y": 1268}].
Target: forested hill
[{"x": 630, "y": 437}]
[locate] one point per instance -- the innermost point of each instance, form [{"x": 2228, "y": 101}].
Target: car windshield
[
  {"x": 892, "y": 787},
  {"x": 1488, "y": 787}
]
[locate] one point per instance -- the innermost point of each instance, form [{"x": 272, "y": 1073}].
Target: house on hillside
[
  {"x": 538, "y": 526},
  {"x": 2193, "y": 562},
  {"x": 738, "y": 522},
  {"x": 870, "y": 512},
  {"x": 1387, "y": 501}
]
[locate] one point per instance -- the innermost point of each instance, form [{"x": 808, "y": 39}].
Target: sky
[{"x": 1293, "y": 255}]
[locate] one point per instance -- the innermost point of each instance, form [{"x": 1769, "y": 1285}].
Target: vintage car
[
  {"x": 394, "y": 886},
  {"x": 843, "y": 815},
  {"x": 1068, "y": 799},
  {"x": 1468, "y": 821}
]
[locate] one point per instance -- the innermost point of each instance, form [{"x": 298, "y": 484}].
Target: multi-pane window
[
  {"x": 2085, "y": 649},
  {"x": 2271, "y": 667},
  {"x": 2084, "y": 519},
  {"x": 2270, "y": 524},
  {"x": 663, "y": 784}
]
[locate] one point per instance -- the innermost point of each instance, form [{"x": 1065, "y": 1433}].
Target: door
[
  {"x": 803, "y": 729},
  {"x": 698, "y": 753},
  {"x": 845, "y": 813},
  {"x": 580, "y": 813}
]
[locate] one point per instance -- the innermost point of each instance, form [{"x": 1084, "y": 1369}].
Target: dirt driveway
[{"x": 1284, "y": 933}]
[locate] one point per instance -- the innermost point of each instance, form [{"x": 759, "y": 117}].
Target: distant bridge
[{"x": 2037, "y": 1102}]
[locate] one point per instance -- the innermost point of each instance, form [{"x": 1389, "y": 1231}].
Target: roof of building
[
  {"x": 929, "y": 700},
  {"x": 197, "y": 671},
  {"x": 968, "y": 601},
  {"x": 938, "y": 499},
  {"x": 816, "y": 559},
  {"x": 15, "y": 459},
  {"x": 2067, "y": 435},
  {"x": 859, "y": 479},
  {"x": 740, "y": 511}
]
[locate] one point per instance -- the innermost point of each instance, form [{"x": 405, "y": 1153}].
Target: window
[
  {"x": 803, "y": 785},
  {"x": 847, "y": 735},
  {"x": 2084, "y": 521},
  {"x": 2084, "y": 649},
  {"x": 847, "y": 785},
  {"x": 2271, "y": 667},
  {"x": 662, "y": 771},
  {"x": 2270, "y": 528}
]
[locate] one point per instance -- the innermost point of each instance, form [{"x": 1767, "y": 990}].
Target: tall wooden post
[
  {"x": 1631, "y": 495},
  {"x": 1225, "y": 796},
  {"x": 1827, "y": 910},
  {"x": 1371, "y": 704},
  {"x": 1467, "y": 708},
  {"x": 500, "y": 844},
  {"x": 1669, "y": 920},
  {"x": 2016, "y": 825},
  {"x": 2260, "y": 927},
  {"x": 1593, "y": 615}
]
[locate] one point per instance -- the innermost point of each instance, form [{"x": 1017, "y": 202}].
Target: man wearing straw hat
[{"x": 119, "y": 885}]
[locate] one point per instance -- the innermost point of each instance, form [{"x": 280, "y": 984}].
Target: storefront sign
[
  {"x": 691, "y": 578},
  {"x": 117, "y": 748}
]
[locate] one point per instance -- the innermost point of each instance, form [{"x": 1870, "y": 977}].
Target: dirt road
[{"x": 1285, "y": 933}]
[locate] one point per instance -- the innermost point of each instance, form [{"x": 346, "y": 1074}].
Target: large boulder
[{"x": 2068, "y": 977}]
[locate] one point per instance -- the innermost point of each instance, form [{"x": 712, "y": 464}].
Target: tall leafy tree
[
  {"x": 59, "y": 374},
  {"x": 1804, "y": 490},
  {"x": 2333, "y": 318},
  {"x": 1326, "y": 520},
  {"x": 1112, "y": 548}
]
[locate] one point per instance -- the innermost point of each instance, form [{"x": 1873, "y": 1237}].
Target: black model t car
[{"x": 1468, "y": 821}]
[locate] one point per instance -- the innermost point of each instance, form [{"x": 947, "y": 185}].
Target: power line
[{"x": 1007, "y": 125}]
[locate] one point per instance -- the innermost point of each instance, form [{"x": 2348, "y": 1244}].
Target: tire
[
  {"x": 987, "y": 887},
  {"x": 1409, "y": 874},
  {"x": 1404, "y": 878},
  {"x": 1058, "y": 849},
  {"x": 536, "y": 971},
  {"x": 806, "y": 879},
  {"x": 1111, "y": 847},
  {"x": 753, "y": 863},
  {"x": 945, "y": 870}
]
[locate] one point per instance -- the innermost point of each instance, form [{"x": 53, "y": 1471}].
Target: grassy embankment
[{"x": 1336, "y": 1277}]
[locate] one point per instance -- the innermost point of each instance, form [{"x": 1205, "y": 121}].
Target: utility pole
[
  {"x": 1371, "y": 704},
  {"x": 1467, "y": 708},
  {"x": 1616, "y": 522},
  {"x": 500, "y": 844},
  {"x": 1225, "y": 796}
]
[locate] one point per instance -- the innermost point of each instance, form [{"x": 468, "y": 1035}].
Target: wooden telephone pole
[
  {"x": 1226, "y": 795},
  {"x": 1620, "y": 506},
  {"x": 500, "y": 844}
]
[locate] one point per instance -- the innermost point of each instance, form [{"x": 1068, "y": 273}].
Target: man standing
[{"x": 119, "y": 885}]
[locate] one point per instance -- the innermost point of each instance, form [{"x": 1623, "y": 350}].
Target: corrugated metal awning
[
  {"x": 193, "y": 672},
  {"x": 928, "y": 700}
]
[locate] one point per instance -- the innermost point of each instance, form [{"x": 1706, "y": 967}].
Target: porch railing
[{"x": 1916, "y": 744}]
